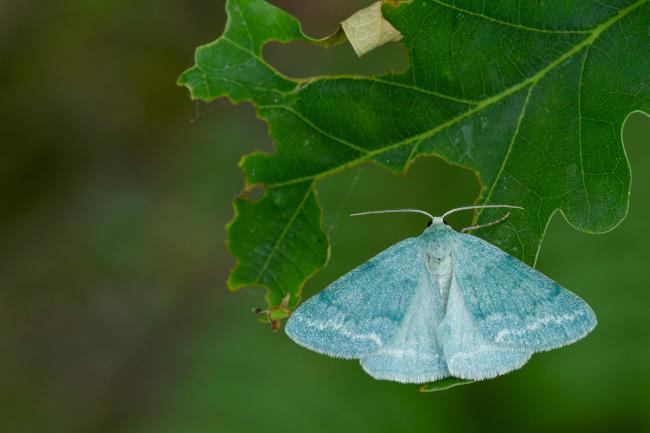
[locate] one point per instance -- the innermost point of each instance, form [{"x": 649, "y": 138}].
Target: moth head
[{"x": 437, "y": 225}]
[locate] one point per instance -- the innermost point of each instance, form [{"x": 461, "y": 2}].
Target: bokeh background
[{"x": 114, "y": 192}]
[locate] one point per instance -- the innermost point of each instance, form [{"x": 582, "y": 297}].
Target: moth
[{"x": 442, "y": 304}]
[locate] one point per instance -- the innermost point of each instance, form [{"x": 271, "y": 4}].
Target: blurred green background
[{"x": 115, "y": 188}]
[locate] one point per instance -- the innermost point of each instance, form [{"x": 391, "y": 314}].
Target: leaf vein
[
  {"x": 316, "y": 128},
  {"x": 284, "y": 232},
  {"x": 580, "y": 144},
  {"x": 509, "y": 24},
  {"x": 506, "y": 158}
]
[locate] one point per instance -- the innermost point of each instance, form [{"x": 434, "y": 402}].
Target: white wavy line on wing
[
  {"x": 340, "y": 327},
  {"x": 542, "y": 321}
]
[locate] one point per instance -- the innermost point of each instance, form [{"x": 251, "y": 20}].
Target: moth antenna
[
  {"x": 481, "y": 206},
  {"x": 394, "y": 211},
  {"x": 491, "y": 223}
]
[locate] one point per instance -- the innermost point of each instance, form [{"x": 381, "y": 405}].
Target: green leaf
[
  {"x": 530, "y": 95},
  {"x": 443, "y": 384}
]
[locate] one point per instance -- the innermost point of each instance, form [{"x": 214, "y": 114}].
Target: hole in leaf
[
  {"x": 302, "y": 60},
  {"x": 430, "y": 184},
  {"x": 319, "y": 19}
]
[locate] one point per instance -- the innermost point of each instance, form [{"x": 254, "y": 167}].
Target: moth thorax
[{"x": 439, "y": 264}]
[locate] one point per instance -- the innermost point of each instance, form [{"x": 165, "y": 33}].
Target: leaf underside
[{"x": 532, "y": 96}]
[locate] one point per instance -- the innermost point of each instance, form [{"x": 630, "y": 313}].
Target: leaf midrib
[{"x": 481, "y": 105}]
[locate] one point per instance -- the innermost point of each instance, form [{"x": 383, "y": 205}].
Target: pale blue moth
[{"x": 442, "y": 304}]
